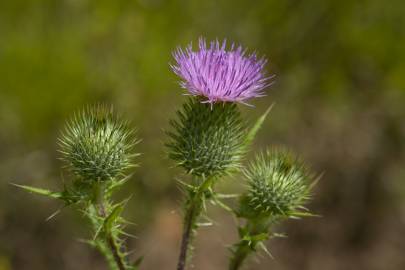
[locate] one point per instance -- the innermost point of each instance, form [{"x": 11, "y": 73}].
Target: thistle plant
[
  {"x": 209, "y": 137},
  {"x": 97, "y": 147},
  {"x": 279, "y": 185},
  {"x": 207, "y": 142}
]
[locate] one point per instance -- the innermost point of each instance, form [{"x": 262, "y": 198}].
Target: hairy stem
[
  {"x": 193, "y": 211},
  {"x": 109, "y": 237},
  {"x": 189, "y": 220}
]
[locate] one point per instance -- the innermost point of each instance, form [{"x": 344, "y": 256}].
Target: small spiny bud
[
  {"x": 96, "y": 145},
  {"x": 279, "y": 185}
]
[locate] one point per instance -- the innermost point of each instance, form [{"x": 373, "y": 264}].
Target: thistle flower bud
[
  {"x": 278, "y": 185},
  {"x": 207, "y": 139},
  {"x": 96, "y": 145}
]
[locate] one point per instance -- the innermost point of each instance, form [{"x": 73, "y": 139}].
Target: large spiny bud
[{"x": 207, "y": 139}]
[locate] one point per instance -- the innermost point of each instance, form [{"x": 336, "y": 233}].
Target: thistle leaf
[
  {"x": 256, "y": 238},
  {"x": 118, "y": 184},
  {"x": 97, "y": 232},
  {"x": 278, "y": 235},
  {"x": 256, "y": 127},
  {"x": 41, "y": 191},
  {"x": 264, "y": 248},
  {"x": 227, "y": 196},
  {"x": 298, "y": 214},
  {"x": 54, "y": 214},
  {"x": 112, "y": 217},
  {"x": 216, "y": 201}
]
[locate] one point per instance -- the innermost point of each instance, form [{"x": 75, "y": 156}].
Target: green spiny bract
[
  {"x": 207, "y": 139},
  {"x": 279, "y": 185},
  {"x": 96, "y": 145}
]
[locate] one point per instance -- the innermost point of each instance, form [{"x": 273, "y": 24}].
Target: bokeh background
[{"x": 340, "y": 104}]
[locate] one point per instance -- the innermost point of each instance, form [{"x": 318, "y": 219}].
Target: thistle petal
[{"x": 221, "y": 75}]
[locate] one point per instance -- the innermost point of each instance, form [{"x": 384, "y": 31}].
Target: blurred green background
[{"x": 340, "y": 103}]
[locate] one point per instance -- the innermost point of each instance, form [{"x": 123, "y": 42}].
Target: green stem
[
  {"x": 240, "y": 254},
  {"x": 247, "y": 246},
  {"x": 193, "y": 212},
  {"x": 111, "y": 242},
  {"x": 115, "y": 251}
]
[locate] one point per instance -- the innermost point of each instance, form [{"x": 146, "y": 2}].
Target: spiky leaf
[
  {"x": 256, "y": 127},
  {"x": 41, "y": 191}
]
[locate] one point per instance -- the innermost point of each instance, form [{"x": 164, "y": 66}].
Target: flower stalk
[
  {"x": 189, "y": 221},
  {"x": 111, "y": 240},
  {"x": 239, "y": 256},
  {"x": 207, "y": 141},
  {"x": 194, "y": 207}
]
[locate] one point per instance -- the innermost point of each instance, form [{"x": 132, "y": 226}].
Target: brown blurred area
[{"x": 340, "y": 104}]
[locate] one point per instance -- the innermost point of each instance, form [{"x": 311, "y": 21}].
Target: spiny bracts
[
  {"x": 207, "y": 139},
  {"x": 96, "y": 145},
  {"x": 279, "y": 185}
]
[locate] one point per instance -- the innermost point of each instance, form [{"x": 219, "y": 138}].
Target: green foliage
[
  {"x": 207, "y": 139},
  {"x": 96, "y": 145},
  {"x": 279, "y": 185}
]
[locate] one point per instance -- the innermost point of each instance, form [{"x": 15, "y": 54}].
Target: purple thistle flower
[{"x": 220, "y": 75}]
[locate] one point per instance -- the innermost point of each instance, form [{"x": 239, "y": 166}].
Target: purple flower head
[{"x": 220, "y": 75}]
